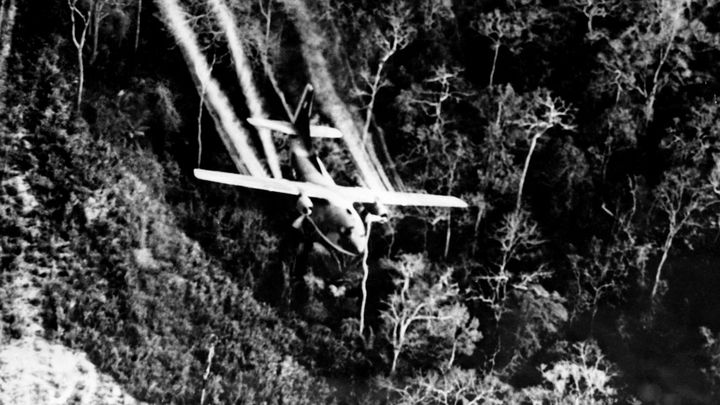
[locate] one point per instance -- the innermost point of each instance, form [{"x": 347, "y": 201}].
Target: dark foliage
[{"x": 584, "y": 133}]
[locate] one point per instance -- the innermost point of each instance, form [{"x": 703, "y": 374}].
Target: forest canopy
[{"x": 585, "y": 135}]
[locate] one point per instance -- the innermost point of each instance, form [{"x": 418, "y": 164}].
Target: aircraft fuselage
[{"x": 335, "y": 217}]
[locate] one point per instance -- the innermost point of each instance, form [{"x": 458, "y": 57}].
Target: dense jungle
[{"x": 584, "y": 134}]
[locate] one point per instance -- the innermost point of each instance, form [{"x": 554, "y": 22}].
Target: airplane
[{"x": 326, "y": 207}]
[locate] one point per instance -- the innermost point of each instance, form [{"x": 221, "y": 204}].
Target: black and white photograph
[{"x": 358, "y": 202}]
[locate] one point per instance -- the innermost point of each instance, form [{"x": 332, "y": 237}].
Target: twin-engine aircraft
[{"x": 332, "y": 214}]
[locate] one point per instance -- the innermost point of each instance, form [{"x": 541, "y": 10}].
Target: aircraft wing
[
  {"x": 363, "y": 195},
  {"x": 316, "y": 131},
  {"x": 281, "y": 186},
  {"x": 356, "y": 194}
]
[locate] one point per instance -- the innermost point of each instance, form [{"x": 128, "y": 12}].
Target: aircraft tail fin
[
  {"x": 305, "y": 105},
  {"x": 285, "y": 127},
  {"x": 302, "y": 116}
]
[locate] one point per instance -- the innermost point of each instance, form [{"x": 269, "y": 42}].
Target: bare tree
[
  {"x": 593, "y": 9},
  {"x": 99, "y": 13},
  {"x": 643, "y": 61},
  {"x": 510, "y": 29},
  {"x": 516, "y": 236},
  {"x": 453, "y": 387},
  {"x": 607, "y": 269},
  {"x": 670, "y": 26},
  {"x": 399, "y": 35},
  {"x": 500, "y": 28},
  {"x": 79, "y": 41},
  {"x": 441, "y": 147},
  {"x": 680, "y": 198},
  {"x": 553, "y": 114},
  {"x": 377, "y": 34},
  {"x": 420, "y": 307}
]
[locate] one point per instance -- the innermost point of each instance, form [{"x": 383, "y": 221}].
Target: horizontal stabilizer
[
  {"x": 330, "y": 192},
  {"x": 316, "y": 131},
  {"x": 322, "y": 131}
]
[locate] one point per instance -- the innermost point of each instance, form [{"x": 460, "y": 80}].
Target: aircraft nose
[
  {"x": 357, "y": 242},
  {"x": 353, "y": 240}
]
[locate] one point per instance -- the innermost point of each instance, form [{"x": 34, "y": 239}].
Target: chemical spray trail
[
  {"x": 225, "y": 18},
  {"x": 313, "y": 46},
  {"x": 234, "y": 137}
]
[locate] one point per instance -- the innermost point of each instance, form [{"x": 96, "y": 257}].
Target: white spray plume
[
  {"x": 236, "y": 139},
  {"x": 244, "y": 73},
  {"x": 312, "y": 46}
]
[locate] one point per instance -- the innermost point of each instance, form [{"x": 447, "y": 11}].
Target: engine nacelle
[
  {"x": 304, "y": 205},
  {"x": 379, "y": 210}
]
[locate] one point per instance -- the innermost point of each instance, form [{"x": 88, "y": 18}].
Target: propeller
[
  {"x": 379, "y": 212},
  {"x": 304, "y": 206}
]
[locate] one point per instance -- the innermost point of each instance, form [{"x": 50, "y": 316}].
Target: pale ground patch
[{"x": 36, "y": 371}]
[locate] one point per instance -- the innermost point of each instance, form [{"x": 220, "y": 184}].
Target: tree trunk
[
  {"x": 95, "y": 21},
  {"x": 79, "y": 45},
  {"x": 448, "y": 233},
  {"x": 452, "y": 354},
  {"x": 363, "y": 286},
  {"x": 533, "y": 144},
  {"x": 373, "y": 93},
  {"x": 494, "y": 64},
  {"x": 81, "y": 78},
  {"x": 385, "y": 153},
  {"x": 396, "y": 354},
  {"x": 233, "y": 135},
  {"x": 663, "y": 258},
  {"x": 363, "y": 154},
  {"x": 137, "y": 26}
]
